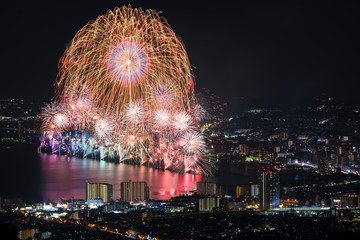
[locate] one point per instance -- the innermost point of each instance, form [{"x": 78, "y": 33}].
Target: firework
[
  {"x": 161, "y": 119},
  {"x": 61, "y": 121},
  {"x": 126, "y": 90},
  {"x": 163, "y": 95},
  {"x": 134, "y": 113},
  {"x": 199, "y": 113},
  {"x": 103, "y": 127},
  {"x": 128, "y": 63},
  {"x": 182, "y": 121},
  {"x": 121, "y": 56},
  {"x": 48, "y": 115},
  {"x": 193, "y": 142}
]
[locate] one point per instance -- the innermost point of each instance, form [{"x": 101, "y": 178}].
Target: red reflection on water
[{"x": 66, "y": 177}]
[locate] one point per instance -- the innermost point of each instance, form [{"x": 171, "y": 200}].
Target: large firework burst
[
  {"x": 122, "y": 55},
  {"x": 126, "y": 90}
]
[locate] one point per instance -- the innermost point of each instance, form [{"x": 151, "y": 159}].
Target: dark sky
[{"x": 258, "y": 50}]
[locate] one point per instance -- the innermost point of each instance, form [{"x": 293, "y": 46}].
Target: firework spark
[
  {"x": 161, "y": 118},
  {"x": 126, "y": 90},
  {"x": 120, "y": 56},
  {"x": 193, "y": 142},
  {"x": 134, "y": 113},
  {"x": 103, "y": 127},
  {"x": 61, "y": 121},
  {"x": 128, "y": 62},
  {"x": 181, "y": 122}
]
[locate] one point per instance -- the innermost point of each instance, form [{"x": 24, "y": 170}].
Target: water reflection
[
  {"x": 66, "y": 177},
  {"x": 33, "y": 177}
]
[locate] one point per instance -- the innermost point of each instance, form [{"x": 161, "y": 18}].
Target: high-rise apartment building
[
  {"x": 99, "y": 191},
  {"x": 254, "y": 190},
  {"x": 269, "y": 189},
  {"x": 208, "y": 204},
  {"x": 207, "y": 188},
  {"x": 131, "y": 191}
]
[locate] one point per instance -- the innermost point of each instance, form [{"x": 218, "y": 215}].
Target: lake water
[{"x": 38, "y": 177}]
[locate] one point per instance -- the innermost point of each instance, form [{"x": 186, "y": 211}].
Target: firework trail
[
  {"x": 126, "y": 90},
  {"x": 126, "y": 55}
]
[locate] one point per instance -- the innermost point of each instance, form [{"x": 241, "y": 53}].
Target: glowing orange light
[{"x": 130, "y": 54}]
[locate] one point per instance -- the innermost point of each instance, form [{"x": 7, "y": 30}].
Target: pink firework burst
[
  {"x": 127, "y": 62},
  {"x": 199, "y": 113},
  {"x": 61, "y": 121},
  {"x": 181, "y": 122},
  {"x": 48, "y": 114},
  {"x": 103, "y": 127},
  {"x": 192, "y": 142},
  {"x": 134, "y": 113},
  {"x": 161, "y": 118},
  {"x": 163, "y": 95}
]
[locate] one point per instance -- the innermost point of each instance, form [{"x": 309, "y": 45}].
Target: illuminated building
[
  {"x": 303, "y": 137},
  {"x": 244, "y": 149},
  {"x": 289, "y": 202},
  {"x": 208, "y": 204},
  {"x": 284, "y": 135},
  {"x": 350, "y": 200},
  {"x": 238, "y": 191},
  {"x": 206, "y": 188},
  {"x": 131, "y": 191},
  {"x": 254, "y": 190},
  {"x": 335, "y": 203},
  {"x": 340, "y": 150},
  {"x": 323, "y": 167},
  {"x": 78, "y": 215},
  {"x": 269, "y": 189},
  {"x": 99, "y": 191},
  {"x": 115, "y": 207},
  {"x": 244, "y": 190},
  {"x": 27, "y": 233}
]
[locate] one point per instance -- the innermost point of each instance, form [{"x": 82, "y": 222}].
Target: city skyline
[{"x": 130, "y": 120}]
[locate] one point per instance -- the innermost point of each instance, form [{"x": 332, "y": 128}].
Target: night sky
[{"x": 284, "y": 52}]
